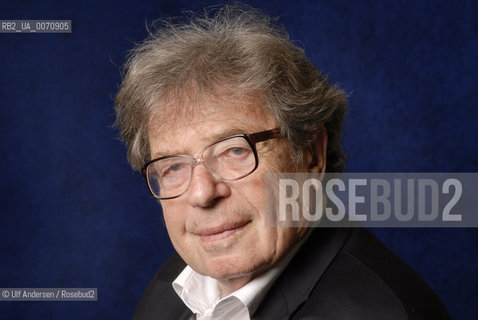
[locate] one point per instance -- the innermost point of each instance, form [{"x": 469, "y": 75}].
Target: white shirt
[{"x": 202, "y": 296}]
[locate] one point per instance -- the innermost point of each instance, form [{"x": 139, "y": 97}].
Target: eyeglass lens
[{"x": 229, "y": 160}]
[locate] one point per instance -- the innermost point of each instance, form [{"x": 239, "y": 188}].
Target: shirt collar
[{"x": 201, "y": 293}]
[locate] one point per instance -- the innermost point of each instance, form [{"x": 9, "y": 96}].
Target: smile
[{"x": 221, "y": 232}]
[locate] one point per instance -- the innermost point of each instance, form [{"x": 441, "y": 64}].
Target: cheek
[
  {"x": 255, "y": 193},
  {"x": 175, "y": 222},
  {"x": 276, "y": 242},
  {"x": 272, "y": 244}
]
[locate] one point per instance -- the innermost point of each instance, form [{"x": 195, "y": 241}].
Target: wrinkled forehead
[{"x": 175, "y": 113}]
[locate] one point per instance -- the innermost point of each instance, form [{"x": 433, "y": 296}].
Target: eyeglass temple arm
[{"x": 265, "y": 135}]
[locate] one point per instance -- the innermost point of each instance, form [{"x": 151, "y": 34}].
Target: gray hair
[{"x": 240, "y": 49}]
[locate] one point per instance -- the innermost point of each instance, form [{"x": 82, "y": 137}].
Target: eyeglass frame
[{"x": 252, "y": 139}]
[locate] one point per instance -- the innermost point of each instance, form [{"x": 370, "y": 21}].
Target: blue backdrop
[{"x": 73, "y": 214}]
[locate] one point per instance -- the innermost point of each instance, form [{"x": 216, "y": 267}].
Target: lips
[{"x": 222, "y": 231}]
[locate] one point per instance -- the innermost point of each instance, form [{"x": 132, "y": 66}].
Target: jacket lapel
[{"x": 297, "y": 281}]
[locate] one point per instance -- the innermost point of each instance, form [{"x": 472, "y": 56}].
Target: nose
[{"x": 204, "y": 189}]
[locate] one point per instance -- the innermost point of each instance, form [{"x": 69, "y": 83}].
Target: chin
[{"x": 231, "y": 268}]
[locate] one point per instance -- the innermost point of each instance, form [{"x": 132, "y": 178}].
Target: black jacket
[{"x": 337, "y": 274}]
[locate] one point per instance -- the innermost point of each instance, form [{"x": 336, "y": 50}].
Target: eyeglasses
[{"x": 227, "y": 159}]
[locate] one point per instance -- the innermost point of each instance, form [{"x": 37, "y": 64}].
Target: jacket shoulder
[
  {"x": 159, "y": 301},
  {"x": 367, "y": 281}
]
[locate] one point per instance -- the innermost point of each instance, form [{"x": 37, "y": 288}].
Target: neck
[{"x": 228, "y": 286}]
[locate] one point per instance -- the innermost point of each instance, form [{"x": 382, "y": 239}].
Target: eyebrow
[
  {"x": 205, "y": 140},
  {"x": 222, "y": 134}
]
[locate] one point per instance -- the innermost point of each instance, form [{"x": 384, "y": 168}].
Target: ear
[{"x": 317, "y": 160}]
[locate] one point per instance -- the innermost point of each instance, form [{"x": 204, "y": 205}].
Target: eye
[
  {"x": 236, "y": 151},
  {"x": 173, "y": 169}
]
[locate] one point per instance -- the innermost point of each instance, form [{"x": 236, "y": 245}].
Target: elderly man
[{"x": 206, "y": 109}]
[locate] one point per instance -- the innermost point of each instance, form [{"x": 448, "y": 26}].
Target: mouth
[{"x": 222, "y": 232}]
